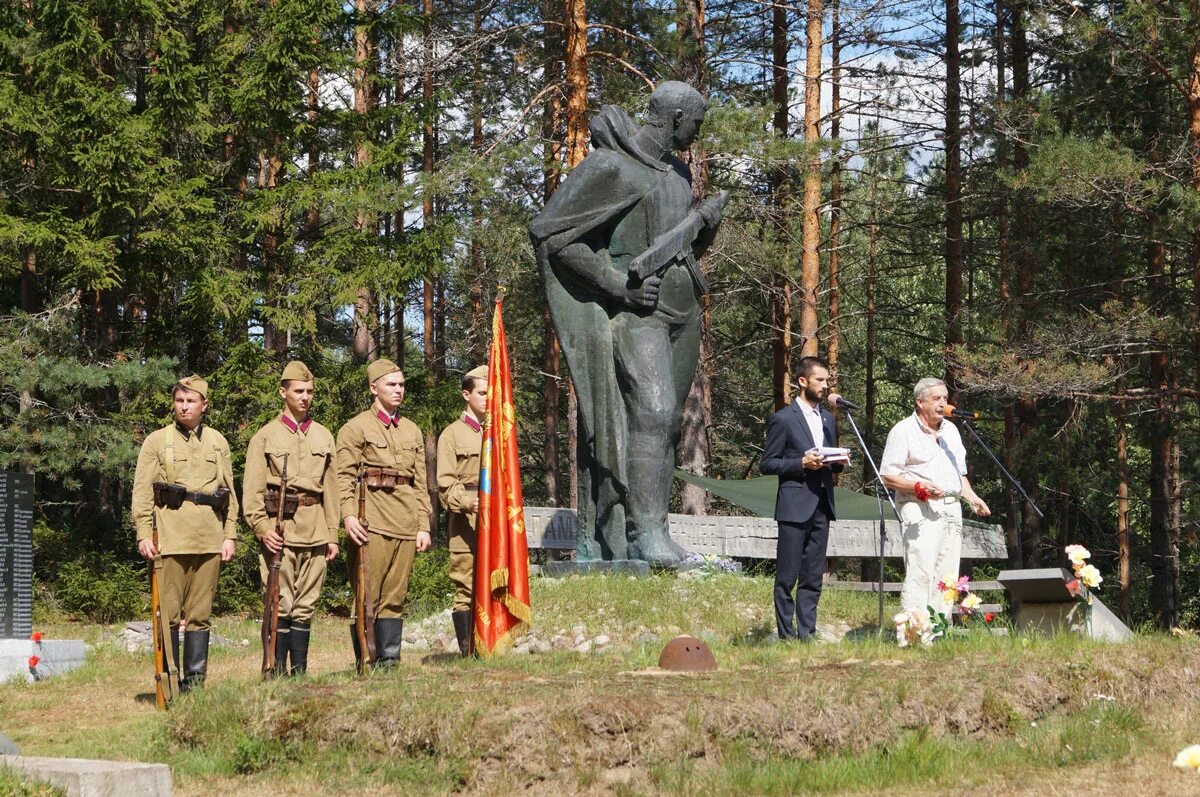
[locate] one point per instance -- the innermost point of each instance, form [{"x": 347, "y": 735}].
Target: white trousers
[{"x": 932, "y": 549}]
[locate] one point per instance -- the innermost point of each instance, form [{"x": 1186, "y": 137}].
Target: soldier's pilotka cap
[
  {"x": 380, "y": 368},
  {"x": 478, "y": 373},
  {"x": 296, "y": 370},
  {"x": 196, "y": 383}
]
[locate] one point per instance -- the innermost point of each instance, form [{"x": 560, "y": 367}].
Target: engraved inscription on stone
[{"x": 16, "y": 555}]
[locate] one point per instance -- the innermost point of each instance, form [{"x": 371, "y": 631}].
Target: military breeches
[
  {"x": 301, "y": 577},
  {"x": 462, "y": 569},
  {"x": 389, "y": 565},
  {"x": 189, "y": 581}
]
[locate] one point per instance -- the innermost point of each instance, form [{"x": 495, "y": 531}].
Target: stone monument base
[
  {"x": 1044, "y": 604},
  {"x": 615, "y": 567},
  {"x": 54, "y": 657}
]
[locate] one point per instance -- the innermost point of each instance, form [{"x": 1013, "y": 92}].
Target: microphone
[
  {"x": 837, "y": 401},
  {"x": 950, "y": 411}
]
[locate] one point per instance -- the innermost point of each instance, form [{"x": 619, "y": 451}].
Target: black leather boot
[
  {"x": 195, "y": 660},
  {"x": 462, "y": 630},
  {"x": 283, "y": 643},
  {"x": 389, "y": 634},
  {"x": 358, "y": 656},
  {"x": 299, "y": 641}
]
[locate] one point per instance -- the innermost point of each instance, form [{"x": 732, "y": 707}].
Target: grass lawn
[{"x": 984, "y": 715}]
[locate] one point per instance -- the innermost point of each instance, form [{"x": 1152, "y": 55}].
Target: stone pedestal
[
  {"x": 81, "y": 777},
  {"x": 622, "y": 567},
  {"x": 1043, "y": 603},
  {"x": 55, "y": 656}
]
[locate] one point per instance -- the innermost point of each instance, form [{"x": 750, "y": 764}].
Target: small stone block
[
  {"x": 85, "y": 778},
  {"x": 626, "y": 567}
]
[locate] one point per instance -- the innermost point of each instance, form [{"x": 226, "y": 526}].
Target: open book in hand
[{"x": 831, "y": 454}]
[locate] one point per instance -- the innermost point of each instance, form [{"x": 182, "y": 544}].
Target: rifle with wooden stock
[
  {"x": 163, "y": 691},
  {"x": 364, "y": 610},
  {"x": 270, "y": 618}
]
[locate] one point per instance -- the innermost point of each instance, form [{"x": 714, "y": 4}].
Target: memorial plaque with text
[{"x": 16, "y": 555}]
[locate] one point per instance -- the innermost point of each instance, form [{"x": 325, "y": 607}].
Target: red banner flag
[{"x": 501, "y": 553}]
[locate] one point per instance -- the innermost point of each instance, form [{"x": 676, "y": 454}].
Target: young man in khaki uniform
[
  {"x": 458, "y": 489},
  {"x": 310, "y": 512},
  {"x": 184, "y": 483},
  {"x": 396, "y": 526}
]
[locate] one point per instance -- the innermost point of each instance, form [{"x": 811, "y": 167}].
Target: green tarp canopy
[{"x": 758, "y": 496}]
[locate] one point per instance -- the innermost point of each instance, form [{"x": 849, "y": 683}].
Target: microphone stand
[
  {"x": 880, "y": 491},
  {"x": 1012, "y": 479}
]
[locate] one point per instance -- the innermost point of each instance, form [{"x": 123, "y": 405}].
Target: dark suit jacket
[{"x": 800, "y": 489}]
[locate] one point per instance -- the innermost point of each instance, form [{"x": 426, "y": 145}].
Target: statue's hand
[
  {"x": 645, "y": 294},
  {"x": 711, "y": 209}
]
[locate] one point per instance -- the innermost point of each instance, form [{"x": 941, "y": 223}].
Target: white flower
[
  {"x": 1090, "y": 576},
  {"x": 1188, "y": 758},
  {"x": 1078, "y": 554}
]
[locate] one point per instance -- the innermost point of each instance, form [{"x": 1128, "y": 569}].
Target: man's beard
[{"x": 814, "y": 396}]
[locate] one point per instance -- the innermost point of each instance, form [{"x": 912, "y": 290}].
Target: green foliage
[
  {"x": 430, "y": 589},
  {"x": 101, "y": 589}
]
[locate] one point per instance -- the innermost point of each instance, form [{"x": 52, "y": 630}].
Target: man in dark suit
[{"x": 804, "y": 503}]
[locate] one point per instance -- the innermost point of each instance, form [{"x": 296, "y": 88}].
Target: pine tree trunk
[
  {"x": 1164, "y": 527},
  {"x": 1012, "y": 529},
  {"x": 551, "y": 169},
  {"x": 1193, "y": 101},
  {"x": 694, "y": 448},
  {"x": 1124, "y": 577},
  {"x": 576, "y": 66},
  {"x": 953, "y": 195},
  {"x": 810, "y": 259},
  {"x": 364, "y": 53},
  {"x": 427, "y": 209},
  {"x": 1024, "y": 266},
  {"x": 833, "y": 339},
  {"x": 781, "y": 288}
]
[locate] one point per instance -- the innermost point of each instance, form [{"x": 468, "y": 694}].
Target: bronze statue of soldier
[{"x": 617, "y": 245}]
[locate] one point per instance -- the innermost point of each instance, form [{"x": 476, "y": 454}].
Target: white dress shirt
[
  {"x": 812, "y": 416},
  {"x": 914, "y": 451}
]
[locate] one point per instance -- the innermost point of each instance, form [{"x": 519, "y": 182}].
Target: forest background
[{"x": 1004, "y": 193}]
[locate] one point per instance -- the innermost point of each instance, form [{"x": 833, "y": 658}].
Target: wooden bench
[{"x": 553, "y": 529}]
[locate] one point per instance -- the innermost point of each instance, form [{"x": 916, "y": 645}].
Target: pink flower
[
  {"x": 1073, "y": 587},
  {"x": 963, "y": 581},
  {"x": 34, "y": 661}
]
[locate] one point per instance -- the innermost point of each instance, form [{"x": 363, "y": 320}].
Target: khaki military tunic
[
  {"x": 458, "y": 463},
  {"x": 199, "y": 461},
  {"x": 394, "y": 515},
  {"x": 190, "y": 537},
  {"x": 309, "y": 449}
]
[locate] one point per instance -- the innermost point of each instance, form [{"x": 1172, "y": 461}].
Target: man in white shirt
[{"x": 925, "y": 463}]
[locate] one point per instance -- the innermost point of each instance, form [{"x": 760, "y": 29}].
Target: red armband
[{"x": 921, "y": 492}]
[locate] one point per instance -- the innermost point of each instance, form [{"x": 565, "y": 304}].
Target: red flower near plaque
[
  {"x": 34, "y": 661},
  {"x": 989, "y": 616},
  {"x": 37, "y": 637}
]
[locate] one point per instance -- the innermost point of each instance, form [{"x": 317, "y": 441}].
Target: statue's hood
[{"x": 613, "y": 129}]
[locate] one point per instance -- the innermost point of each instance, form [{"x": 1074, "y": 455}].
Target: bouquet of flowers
[
  {"x": 913, "y": 628},
  {"x": 1087, "y": 577}
]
